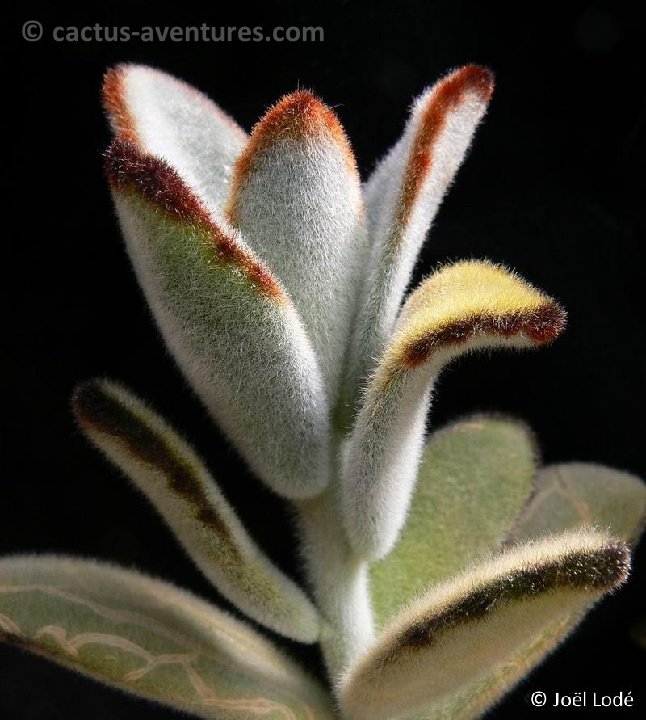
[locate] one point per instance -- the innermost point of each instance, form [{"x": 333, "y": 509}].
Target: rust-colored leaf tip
[
  {"x": 299, "y": 116},
  {"x": 128, "y": 168},
  {"x": 447, "y": 96},
  {"x": 115, "y": 105}
]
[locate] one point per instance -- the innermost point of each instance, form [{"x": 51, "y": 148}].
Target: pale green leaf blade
[
  {"x": 296, "y": 198},
  {"x": 475, "y": 477},
  {"x": 480, "y": 619},
  {"x": 571, "y": 495},
  {"x": 167, "y": 470},
  {"x": 168, "y": 118},
  {"x": 150, "y": 639},
  {"x": 228, "y": 322},
  {"x": 461, "y": 308},
  {"x": 476, "y": 697}
]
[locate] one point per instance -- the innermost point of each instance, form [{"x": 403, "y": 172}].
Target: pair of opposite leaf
[{"x": 439, "y": 572}]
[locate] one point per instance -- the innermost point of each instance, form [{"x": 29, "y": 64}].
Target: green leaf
[
  {"x": 567, "y": 496},
  {"x": 150, "y": 639},
  {"x": 481, "y": 619},
  {"x": 475, "y": 477},
  {"x": 476, "y": 697},
  {"x": 228, "y": 322},
  {"x": 572, "y": 495},
  {"x": 167, "y": 470}
]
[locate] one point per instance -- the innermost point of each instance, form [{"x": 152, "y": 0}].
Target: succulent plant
[{"x": 440, "y": 570}]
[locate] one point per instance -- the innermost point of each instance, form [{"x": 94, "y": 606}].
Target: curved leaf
[
  {"x": 403, "y": 196},
  {"x": 175, "y": 480},
  {"x": 173, "y": 121},
  {"x": 462, "y": 307}
]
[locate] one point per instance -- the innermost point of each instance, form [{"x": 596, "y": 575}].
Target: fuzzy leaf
[
  {"x": 171, "y": 120},
  {"x": 296, "y": 197},
  {"x": 150, "y": 639},
  {"x": 476, "y": 476},
  {"x": 174, "y": 479},
  {"x": 573, "y": 495},
  {"x": 402, "y": 198},
  {"x": 566, "y": 497},
  {"x": 480, "y": 619},
  {"x": 228, "y": 322},
  {"x": 462, "y": 307}
]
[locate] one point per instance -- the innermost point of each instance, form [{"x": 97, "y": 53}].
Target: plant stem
[{"x": 339, "y": 582}]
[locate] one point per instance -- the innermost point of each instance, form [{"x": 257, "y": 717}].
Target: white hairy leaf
[
  {"x": 461, "y": 308},
  {"x": 150, "y": 639},
  {"x": 228, "y": 322},
  {"x": 296, "y": 198},
  {"x": 168, "y": 472},
  {"x": 173, "y": 121},
  {"x": 402, "y": 198}
]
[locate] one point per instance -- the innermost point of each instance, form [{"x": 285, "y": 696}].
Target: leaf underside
[{"x": 150, "y": 639}]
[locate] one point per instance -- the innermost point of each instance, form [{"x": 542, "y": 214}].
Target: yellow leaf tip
[{"x": 470, "y": 299}]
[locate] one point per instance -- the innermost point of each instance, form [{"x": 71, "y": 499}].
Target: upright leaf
[
  {"x": 167, "y": 118},
  {"x": 228, "y": 322},
  {"x": 296, "y": 197},
  {"x": 403, "y": 196}
]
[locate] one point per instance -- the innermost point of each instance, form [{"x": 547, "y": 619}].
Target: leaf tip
[
  {"x": 114, "y": 104},
  {"x": 297, "y": 118}
]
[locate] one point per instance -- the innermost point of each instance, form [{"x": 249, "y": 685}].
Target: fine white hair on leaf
[
  {"x": 403, "y": 196},
  {"x": 150, "y": 639},
  {"x": 459, "y": 630},
  {"x": 166, "y": 469},
  {"x": 475, "y": 477},
  {"x": 461, "y": 308},
  {"x": 227, "y": 321},
  {"x": 167, "y": 118},
  {"x": 296, "y": 198}
]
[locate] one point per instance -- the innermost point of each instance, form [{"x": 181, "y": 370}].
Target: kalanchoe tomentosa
[{"x": 440, "y": 570}]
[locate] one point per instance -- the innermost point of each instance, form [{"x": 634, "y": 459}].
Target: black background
[{"x": 551, "y": 188}]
